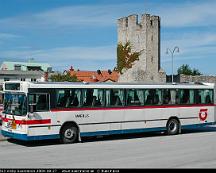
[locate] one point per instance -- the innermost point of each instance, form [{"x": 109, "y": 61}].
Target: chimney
[
  {"x": 109, "y": 71},
  {"x": 99, "y": 72},
  {"x": 71, "y": 68}
]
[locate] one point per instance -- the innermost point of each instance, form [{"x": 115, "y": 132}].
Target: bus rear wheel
[
  {"x": 69, "y": 134},
  {"x": 173, "y": 127}
]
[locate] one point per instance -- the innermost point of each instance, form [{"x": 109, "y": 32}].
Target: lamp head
[{"x": 177, "y": 49}]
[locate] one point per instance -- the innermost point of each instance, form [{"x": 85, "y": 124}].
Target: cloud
[
  {"x": 8, "y": 36},
  {"x": 172, "y": 15},
  {"x": 189, "y": 14},
  {"x": 4, "y": 37},
  {"x": 192, "y": 45},
  {"x": 82, "y": 15},
  {"x": 66, "y": 56}
]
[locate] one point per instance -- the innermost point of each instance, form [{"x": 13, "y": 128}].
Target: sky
[{"x": 83, "y": 33}]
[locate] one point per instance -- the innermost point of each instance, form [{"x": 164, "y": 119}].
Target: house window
[
  {"x": 6, "y": 79},
  {"x": 17, "y": 67},
  {"x": 34, "y": 68}
]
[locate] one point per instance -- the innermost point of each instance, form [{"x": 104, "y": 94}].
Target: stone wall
[
  {"x": 144, "y": 36},
  {"x": 202, "y": 78}
]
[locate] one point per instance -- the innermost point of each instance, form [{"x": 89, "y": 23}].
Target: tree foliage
[
  {"x": 63, "y": 78},
  {"x": 125, "y": 56},
  {"x": 187, "y": 70}
]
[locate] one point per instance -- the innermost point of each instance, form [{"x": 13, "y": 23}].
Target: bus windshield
[{"x": 15, "y": 104}]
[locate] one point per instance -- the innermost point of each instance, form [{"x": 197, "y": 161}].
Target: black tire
[
  {"x": 69, "y": 134},
  {"x": 173, "y": 127}
]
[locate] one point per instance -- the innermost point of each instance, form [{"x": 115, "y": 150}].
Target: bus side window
[
  {"x": 87, "y": 97},
  {"x": 208, "y": 96},
  {"x": 115, "y": 97},
  {"x": 39, "y": 102},
  {"x": 187, "y": 96},
  {"x": 184, "y": 96},
  {"x": 198, "y": 96},
  {"x": 174, "y": 98},
  {"x": 153, "y": 97},
  {"x": 63, "y": 97},
  {"x": 98, "y": 98},
  {"x": 148, "y": 98},
  {"x": 134, "y": 97},
  {"x": 166, "y": 96},
  {"x": 74, "y": 99}
]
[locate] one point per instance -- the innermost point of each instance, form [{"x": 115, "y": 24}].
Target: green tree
[
  {"x": 63, "y": 77},
  {"x": 196, "y": 72},
  {"x": 186, "y": 70},
  {"x": 125, "y": 57}
]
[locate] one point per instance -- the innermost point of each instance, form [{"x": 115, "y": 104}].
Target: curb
[{"x": 3, "y": 139}]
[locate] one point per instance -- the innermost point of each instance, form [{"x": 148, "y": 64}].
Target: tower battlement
[
  {"x": 144, "y": 36},
  {"x": 133, "y": 21}
]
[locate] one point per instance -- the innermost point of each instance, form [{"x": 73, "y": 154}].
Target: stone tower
[{"x": 144, "y": 37}]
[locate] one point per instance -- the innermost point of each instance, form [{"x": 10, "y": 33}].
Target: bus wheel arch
[
  {"x": 69, "y": 132},
  {"x": 173, "y": 126}
]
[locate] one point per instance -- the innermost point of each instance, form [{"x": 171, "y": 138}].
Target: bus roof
[
  {"x": 23, "y": 86},
  {"x": 117, "y": 85}
]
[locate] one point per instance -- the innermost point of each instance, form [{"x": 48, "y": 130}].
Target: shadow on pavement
[
  {"x": 110, "y": 137},
  {"x": 34, "y": 143},
  {"x": 200, "y": 130}
]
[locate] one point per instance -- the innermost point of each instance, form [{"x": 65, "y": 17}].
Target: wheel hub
[{"x": 69, "y": 133}]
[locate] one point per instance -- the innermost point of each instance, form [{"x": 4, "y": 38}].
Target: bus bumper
[{"x": 25, "y": 137}]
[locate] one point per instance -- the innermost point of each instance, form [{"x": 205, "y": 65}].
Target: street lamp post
[{"x": 176, "y": 49}]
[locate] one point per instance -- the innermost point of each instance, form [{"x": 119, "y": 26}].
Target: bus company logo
[
  {"x": 203, "y": 114},
  {"x": 82, "y": 115}
]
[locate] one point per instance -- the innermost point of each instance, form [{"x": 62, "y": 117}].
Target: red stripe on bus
[
  {"x": 29, "y": 122},
  {"x": 44, "y": 121},
  {"x": 131, "y": 107}
]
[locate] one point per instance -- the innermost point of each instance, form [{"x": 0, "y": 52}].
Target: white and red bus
[
  {"x": 1, "y": 101},
  {"x": 1, "y": 105},
  {"x": 70, "y": 111}
]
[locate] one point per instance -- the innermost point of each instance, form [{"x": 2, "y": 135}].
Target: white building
[{"x": 24, "y": 71}]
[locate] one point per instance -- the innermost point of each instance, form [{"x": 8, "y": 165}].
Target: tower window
[
  {"x": 152, "y": 78},
  {"x": 151, "y": 22},
  {"x": 126, "y": 22}
]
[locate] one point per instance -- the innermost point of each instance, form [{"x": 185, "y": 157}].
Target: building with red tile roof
[{"x": 95, "y": 76}]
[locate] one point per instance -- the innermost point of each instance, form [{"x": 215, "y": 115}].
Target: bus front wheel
[
  {"x": 173, "y": 127},
  {"x": 69, "y": 134}
]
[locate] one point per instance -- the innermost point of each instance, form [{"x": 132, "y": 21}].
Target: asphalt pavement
[
  {"x": 2, "y": 138},
  {"x": 191, "y": 149}
]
